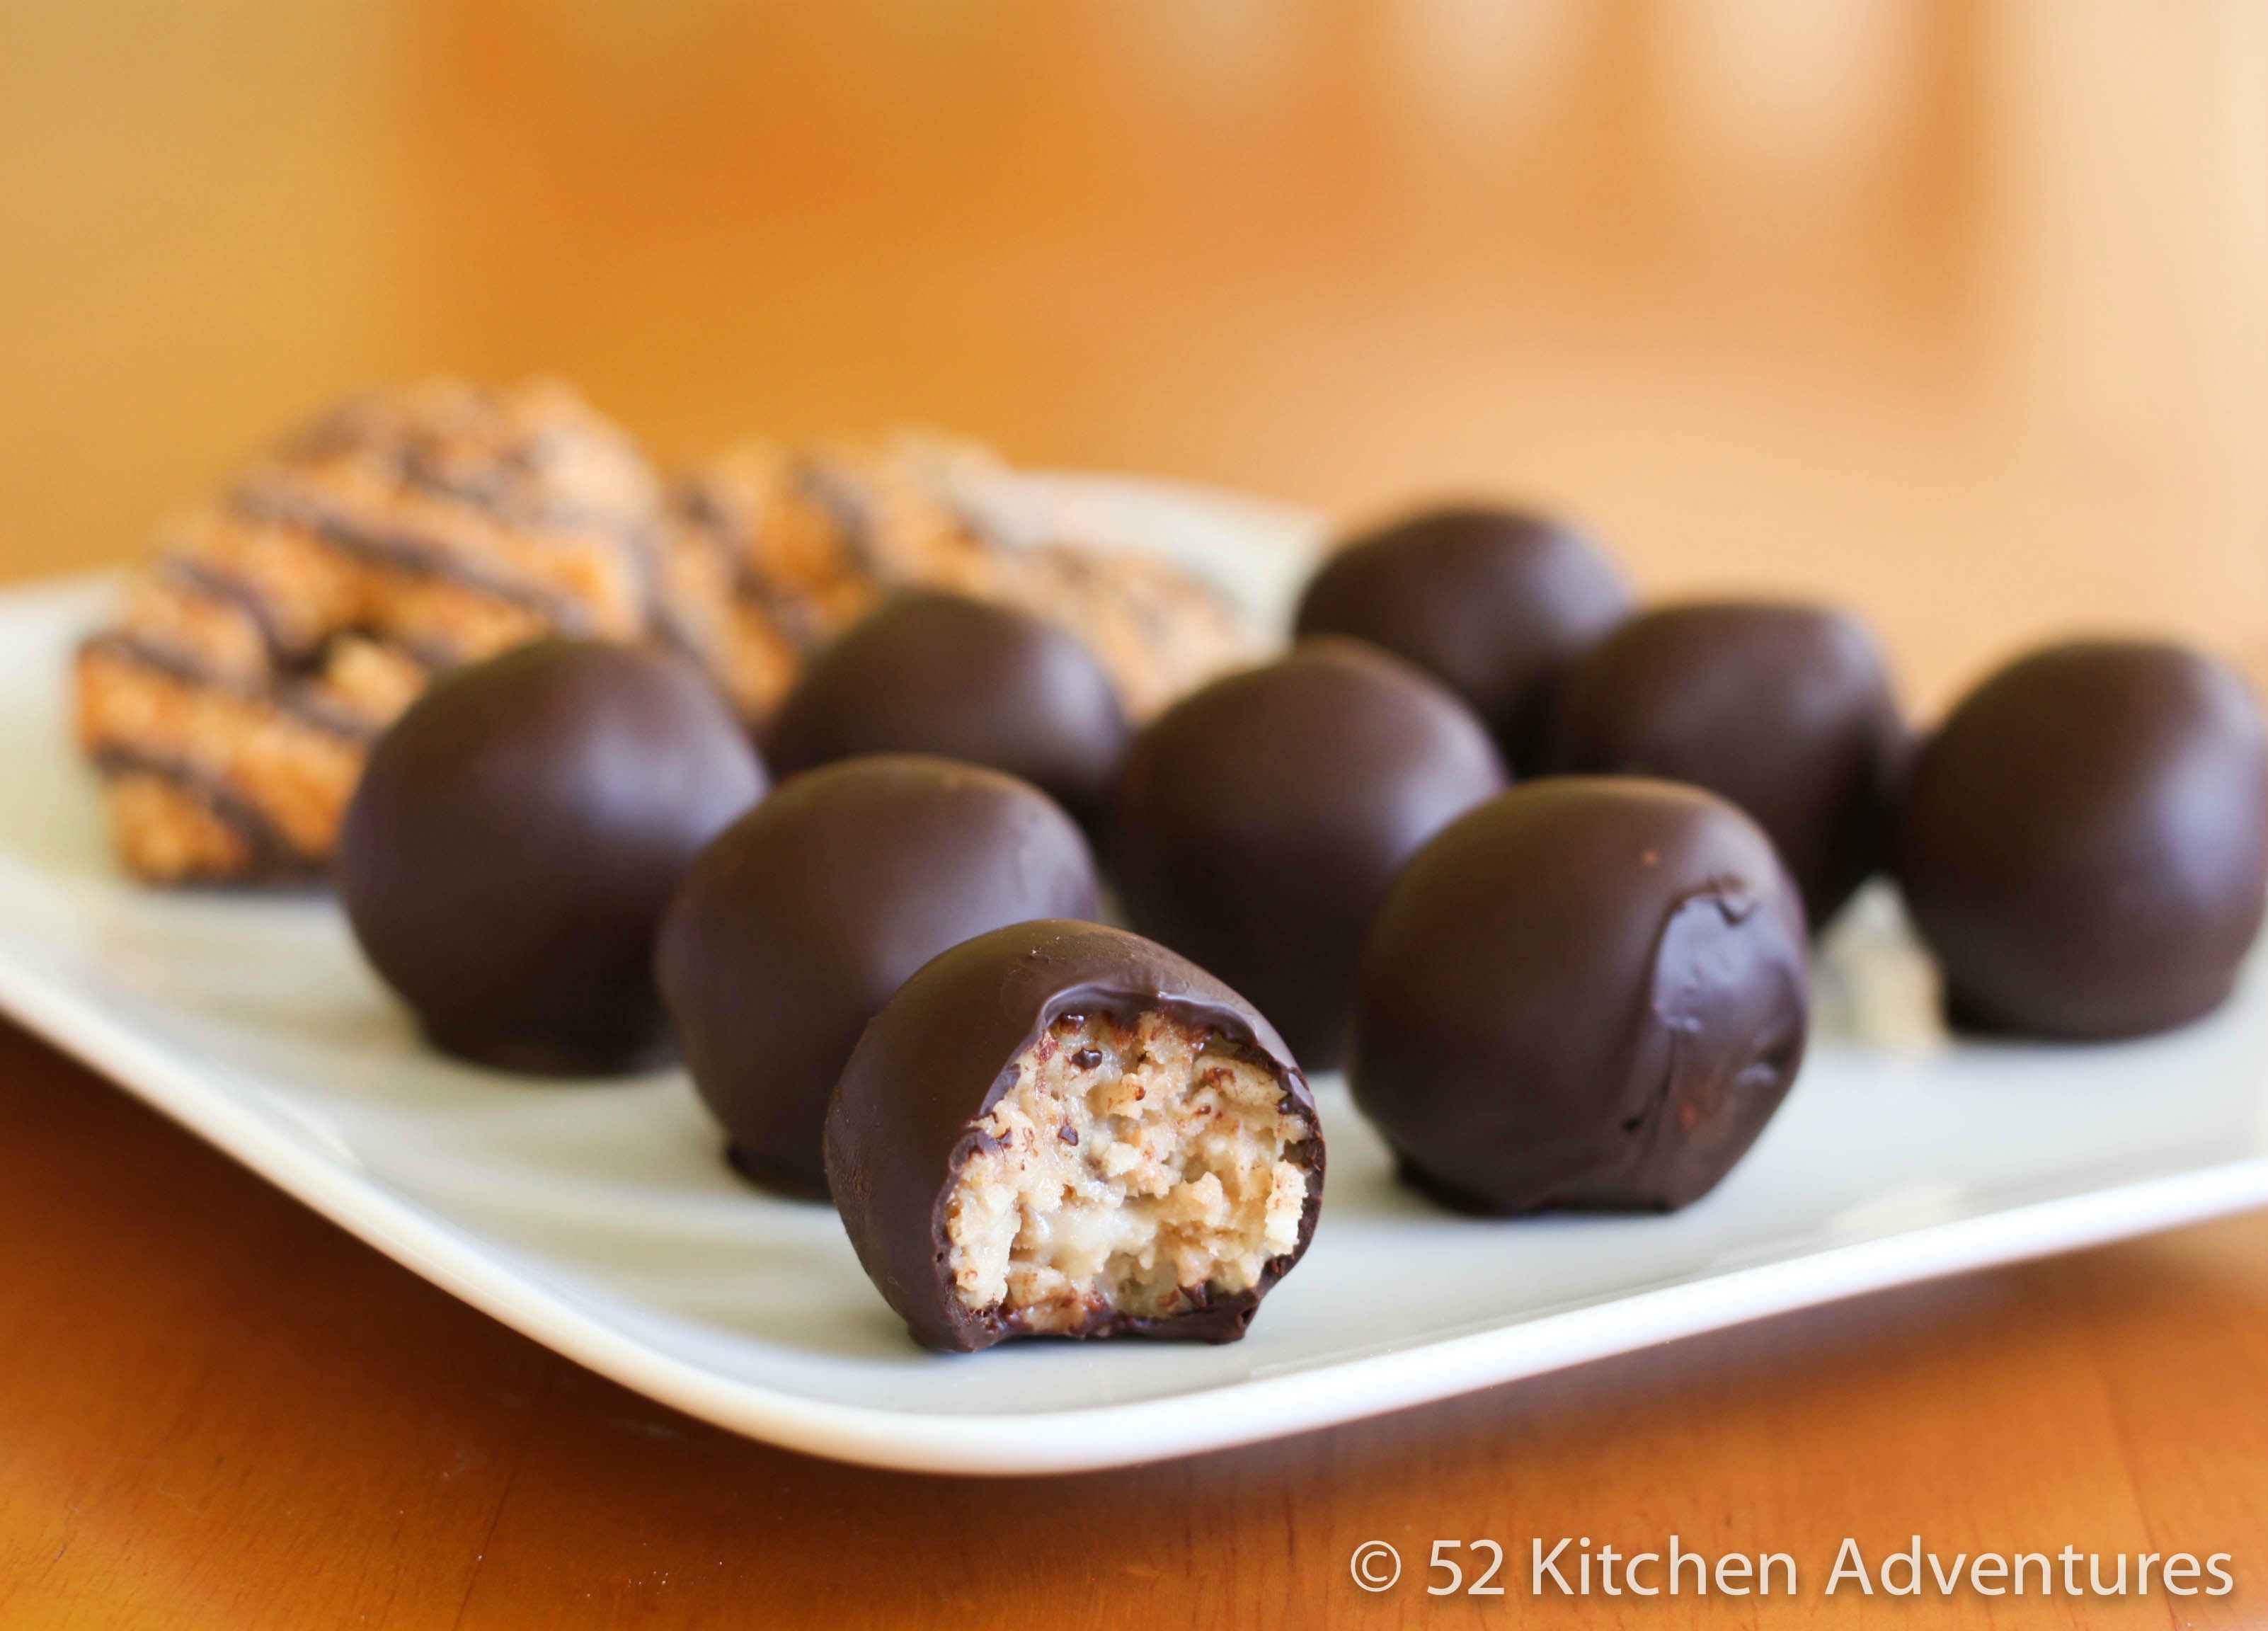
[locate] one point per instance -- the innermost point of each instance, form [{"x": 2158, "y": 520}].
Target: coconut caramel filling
[{"x": 1137, "y": 1165}]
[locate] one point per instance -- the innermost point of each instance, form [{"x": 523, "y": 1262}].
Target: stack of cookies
[
  {"x": 279, "y": 627},
  {"x": 770, "y": 552}
]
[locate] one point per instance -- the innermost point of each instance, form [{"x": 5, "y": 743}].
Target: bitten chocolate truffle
[
  {"x": 1591, "y": 993},
  {"x": 798, "y": 924},
  {"x": 1059, "y": 1129},
  {"x": 516, "y": 836},
  {"x": 2084, "y": 843},
  {"x": 1494, "y": 603},
  {"x": 1784, "y": 710},
  {"x": 1259, "y": 822},
  {"x": 962, "y": 679}
]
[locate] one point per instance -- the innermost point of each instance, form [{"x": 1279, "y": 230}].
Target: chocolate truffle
[
  {"x": 798, "y": 924},
  {"x": 1784, "y": 710},
  {"x": 516, "y": 836},
  {"x": 1590, "y": 992},
  {"x": 1060, "y": 1129},
  {"x": 962, "y": 679},
  {"x": 1494, "y": 603},
  {"x": 2084, "y": 844},
  {"x": 1259, "y": 822}
]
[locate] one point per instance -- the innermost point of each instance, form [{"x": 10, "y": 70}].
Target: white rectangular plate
[{"x": 600, "y": 1220}]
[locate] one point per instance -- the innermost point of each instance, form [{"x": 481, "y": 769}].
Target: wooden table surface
[{"x": 1951, "y": 312}]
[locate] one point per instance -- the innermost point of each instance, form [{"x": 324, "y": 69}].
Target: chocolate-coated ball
[
  {"x": 962, "y": 679},
  {"x": 1065, "y": 1130},
  {"x": 1494, "y": 603},
  {"x": 2084, "y": 842},
  {"x": 1259, "y": 820},
  {"x": 799, "y": 922},
  {"x": 1784, "y": 710},
  {"x": 507, "y": 856},
  {"x": 1591, "y": 992}
]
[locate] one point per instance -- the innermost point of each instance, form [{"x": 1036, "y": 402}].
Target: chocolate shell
[
  {"x": 798, "y": 924},
  {"x": 1591, "y": 992},
  {"x": 962, "y": 679},
  {"x": 946, "y": 1053},
  {"x": 1494, "y": 603},
  {"x": 506, "y": 858},
  {"x": 2084, "y": 843},
  {"x": 1784, "y": 710},
  {"x": 1259, "y": 822}
]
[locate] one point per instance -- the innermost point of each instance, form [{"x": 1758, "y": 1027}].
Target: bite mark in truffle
[
  {"x": 1061, "y": 1129},
  {"x": 1138, "y": 1165}
]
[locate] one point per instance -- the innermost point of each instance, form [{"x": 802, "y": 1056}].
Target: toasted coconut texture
[
  {"x": 281, "y": 625},
  {"x": 278, "y": 628},
  {"x": 770, "y": 551},
  {"x": 1061, "y": 1129}
]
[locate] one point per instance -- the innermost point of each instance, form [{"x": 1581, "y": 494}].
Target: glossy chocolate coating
[
  {"x": 2084, "y": 843},
  {"x": 1259, "y": 820},
  {"x": 942, "y": 1053},
  {"x": 1784, "y": 710},
  {"x": 508, "y": 853},
  {"x": 795, "y": 928},
  {"x": 1592, "y": 991},
  {"x": 1494, "y": 603},
  {"x": 962, "y": 679}
]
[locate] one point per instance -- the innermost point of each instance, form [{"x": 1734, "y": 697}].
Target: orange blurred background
[{"x": 1957, "y": 312}]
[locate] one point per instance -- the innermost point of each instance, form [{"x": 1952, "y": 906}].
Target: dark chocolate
[
  {"x": 506, "y": 858},
  {"x": 1784, "y": 710},
  {"x": 1591, "y": 992},
  {"x": 799, "y": 923},
  {"x": 962, "y": 679},
  {"x": 1494, "y": 603},
  {"x": 2084, "y": 843},
  {"x": 1259, "y": 820},
  {"x": 942, "y": 1053}
]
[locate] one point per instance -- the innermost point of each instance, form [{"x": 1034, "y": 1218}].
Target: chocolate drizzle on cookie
[{"x": 285, "y": 624}]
